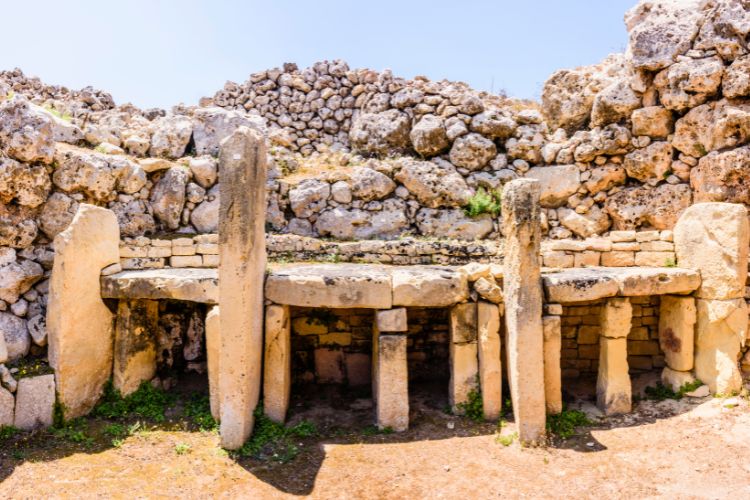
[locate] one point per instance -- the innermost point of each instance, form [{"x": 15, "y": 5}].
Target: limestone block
[
  {"x": 613, "y": 388},
  {"x": 79, "y": 324},
  {"x": 427, "y": 286},
  {"x": 463, "y": 323},
  {"x": 639, "y": 281},
  {"x": 464, "y": 372},
  {"x": 213, "y": 355},
  {"x": 392, "y": 374},
  {"x": 391, "y": 320},
  {"x": 552, "y": 374},
  {"x": 277, "y": 366},
  {"x": 135, "y": 344},
  {"x": 677, "y": 317},
  {"x": 490, "y": 363},
  {"x": 616, "y": 316},
  {"x": 35, "y": 402},
  {"x": 7, "y": 407},
  {"x": 194, "y": 285},
  {"x": 578, "y": 285},
  {"x": 329, "y": 365},
  {"x": 242, "y": 162},
  {"x": 713, "y": 238},
  {"x": 719, "y": 334},
  {"x": 676, "y": 379},
  {"x": 522, "y": 292}
]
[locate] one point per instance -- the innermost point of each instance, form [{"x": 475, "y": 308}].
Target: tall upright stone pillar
[
  {"x": 390, "y": 370},
  {"x": 135, "y": 344},
  {"x": 277, "y": 365},
  {"x": 713, "y": 238},
  {"x": 677, "y": 318},
  {"x": 464, "y": 363},
  {"x": 490, "y": 365},
  {"x": 79, "y": 324},
  {"x": 552, "y": 326},
  {"x": 242, "y": 250},
  {"x": 613, "y": 388},
  {"x": 522, "y": 290},
  {"x": 213, "y": 354}
]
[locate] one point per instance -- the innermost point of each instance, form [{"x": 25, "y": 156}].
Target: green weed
[
  {"x": 670, "y": 262},
  {"x": 274, "y": 441},
  {"x": 374, "y": 430},
  {"x": 473, "y": 407},
  {"x": 181, "y": 448},
  {"x": 7, "y": 432},
  {"x": 506, "y": 439},
  {"x": 660, "y": 392},
  {"x": 484, "y": 202},
  {"x": 564, "y": 423},
  {"x": 146, "y": 402}
]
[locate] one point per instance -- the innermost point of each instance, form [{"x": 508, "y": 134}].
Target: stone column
[
  {"x": 522, "y": 290},
  {"x": 613, "y": 388},
  {"x": 463, "y": 354},
  {"x": 390, "y": 371},
  {"x": 242, "y": 250},
  {"x": 713, "y": 238},
  {"x": 79, "y": 324},
  {"x": 490, "y": 364},
  {"x": 277, "y": 365},
  {"x": 213, "y": 355},
  {"x": 135, "y": 344},
  {"x": 552, "y": 328},
  {"x": 677, "y": 318}
]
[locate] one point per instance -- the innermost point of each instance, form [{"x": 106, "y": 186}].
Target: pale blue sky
[{"x": 162, "y": 52}]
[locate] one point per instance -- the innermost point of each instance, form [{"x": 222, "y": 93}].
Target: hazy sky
[{"x": 162, "y": 52}]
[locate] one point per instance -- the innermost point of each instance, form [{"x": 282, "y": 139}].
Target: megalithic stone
[
  {"x": 490, "y": 365},
  {"x": 242, "y": 250},
  {"x": 613, "y": 387},
  {"x": 277, "y": 365},
  {"x": 135, "y": 344},
  {"x": 552, "y": 374},
  {"x": 213, "y": 353},
  {"x": 522, "y": 289}
]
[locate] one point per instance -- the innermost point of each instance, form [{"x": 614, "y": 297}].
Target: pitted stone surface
[{"x": 195, "y": 285}]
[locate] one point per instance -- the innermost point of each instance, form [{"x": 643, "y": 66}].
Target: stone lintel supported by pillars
[
  {"x": 135, "y": 344},
  {"x": 390, "y": 371},
  {"x": 242, "y": 163},
  {"x": 490, "y": 364},
  {"x": 552, "y": 327},
  {"x": 613, "y": 387},
  {"x": 277, "y": 365},
  {"x": 522, "y": 291},
  {"x": 464, "y": 363}
]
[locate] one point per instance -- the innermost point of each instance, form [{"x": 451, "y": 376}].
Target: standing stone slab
[
  {"x": 7, "y": 407},
  {"x": 242, "y": 250},
  {"x": 613, "y": 388},
  {"x": 391, "y": 381},
  {"x": 213, "y": 354},
  {"x": 719, "y": 334},
  {"x": 463, "y": 354},
  {"x": 79, "y": 325},
  {"x": 490, "y": 364},
  {"x": 277, "y": 366},
  {"x": 552, "y": 373},
  {"x": 135, "y": 344},
  {"x": 677, "y": 317},
  {"x": 522, "y": 289},
  {"x": 35, "y": 402}
]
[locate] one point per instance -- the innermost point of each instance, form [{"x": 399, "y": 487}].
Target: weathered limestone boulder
[
  {"x": 7, "y": 408},
  {"x": 656, "y": 122},
  {"x": 713, "y": 238},
  {"x": 605, "y": 178},
  {"x": 719, "y": 334},
  {"x": 205, "y": 217},
  {"x": 472, "y": 151},
  {"x": 3, "y": 350},
  {"x": 84, "y": 172},
  {"x": 675, "y": 379},
  {"x": 133, "y": 217},
  {"x": 488, "y": 289},
  {"x": 463, "y": 354},
  {"x": 57, "y": 213},
  {"x": 736, "y": 81},
  {"x": 38, "y": 329},
  {"x": 380, "y": 133},
  {"x": 194, "y": 285},
  {"x": 16, "y": 336},
  {"x": 18, "y": 228},
  {"x": 725, "y": 29},
  {"x": 593, "y": 222},
  {"x": 613, "y": 388},
  {"x": 212, "y": 125},
  {"x": 368, "y": 184},
  {"x": 551, "y": 327},
  {"x": 353, "y": 223},
  {"x": 660, "y": 31},
  {"x": 168, "y": 196},
  {"x": 309, "y": 197},
  {"x": 205, "y": 171},
  {"x": 614, "y": 104},
  {"x": 453, "y": 223},
  {"x": 171, "y": 136},
  {"x": 526, "y": 144},
  {"x": 647, "y": 281},
  {"x": 429, "y": 137},
  {"x": 658, "y": 207},
  {"x": 651, "y": 164},
  {"x": 435, "y": 184},
  {"x": 721, "y": 176},
  {"x": 558, "y": 183},
  {"x": 25, "y": 134},
  {"x": 426, "y": 286},
  {"x": 611, "y": 140},
  {"x": 79, "y": 324},
  {"x": 689, "y": 83},
  {"x": 35, "y": 402},
  {"x": 135, "y": 344},
  {"x": 63, "y": 130},
  {"x": 277, "y": 366},
  {"x": 713, "y": 126},
  {"x": 28, "y": 185},
  {"x": 493, "y": 124},
  {"x": 16, "y": 278},
  {"x": 131, "y": 177}
]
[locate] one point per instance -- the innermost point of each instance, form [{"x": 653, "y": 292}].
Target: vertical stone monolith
[
  {"x": 464, "y": 363},
  {"x": 490, "y": 365},
  {"x": 552, "y": 328},
  {"x": 522, "y": 290},
  {"x": 79, "y": 325},
  {"x": 277, "y": 365},
  {"x": 213, "y": 355},
  {"x": 613, "y": 387},
  {"x": 242, "y": 250},
  {"x": 135, "y": 344},
  {"x": 390, "y": 370}
]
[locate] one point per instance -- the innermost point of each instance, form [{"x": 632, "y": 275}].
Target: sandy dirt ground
[{"x": 692, "y": 448}]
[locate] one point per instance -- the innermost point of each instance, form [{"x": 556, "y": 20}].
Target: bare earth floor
[{"x": 668, "y": 449}]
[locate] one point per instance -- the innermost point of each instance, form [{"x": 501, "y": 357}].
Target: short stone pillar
[
  {"x": 464, "y": 364},
  {"x": 390, "y": 371},
  {"x": 79, "y": 324},
  {"x": 522, "y": 290},
  {"x": 135, "y": 344},
  {"x": 552, "y": 327},
  {"x": 677, "y": 318},
  {"x": 613, "y": 387},
  {"x": 713, "y": 238},
  {"x": 277, "y": 364},
  {"x": 242, "y": 250},
  {"x": 213, "y": 356},
  {"x": 490, "y": 364}
]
